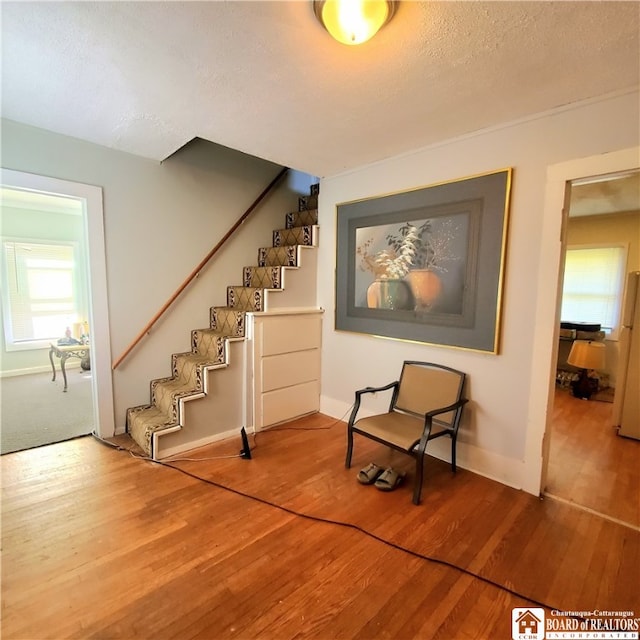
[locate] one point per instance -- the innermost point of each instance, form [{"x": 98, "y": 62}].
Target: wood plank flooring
[
  {"x": 589, "y": 464},
  {"x": 98, "y": 544}
]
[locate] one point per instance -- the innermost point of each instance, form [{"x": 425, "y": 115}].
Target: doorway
[
  {"x": 588, "y": 464},
  {"x": 45, "y": 295},
  {"x": 89, "y": 199}
]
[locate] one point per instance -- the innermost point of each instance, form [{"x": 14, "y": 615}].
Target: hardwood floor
[
  {"x": 589, "y": 464},
  {"x": 98, "y": 544}
]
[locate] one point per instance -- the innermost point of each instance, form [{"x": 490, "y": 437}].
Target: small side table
[{"x": 64, "y": 352}]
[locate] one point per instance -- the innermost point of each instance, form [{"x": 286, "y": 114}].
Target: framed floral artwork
[{"x": 426, "y": 265}]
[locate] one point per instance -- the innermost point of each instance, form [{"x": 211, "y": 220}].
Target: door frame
[
  {"x": 549, "y": 299},
  {"x": 91, "y": 197}
]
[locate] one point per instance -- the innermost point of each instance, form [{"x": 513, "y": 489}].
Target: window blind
[
  {"x": 593, "y": 285},
  {"x": 40, "y": 290}
]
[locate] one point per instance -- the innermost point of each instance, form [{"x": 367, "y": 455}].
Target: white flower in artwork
[
  {"x": 428, "y": 246},
  {"x": 396, "y": 263}
]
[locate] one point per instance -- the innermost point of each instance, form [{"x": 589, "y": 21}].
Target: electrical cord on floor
[
  {"x": 237, "y": 455},
  {"x": 347, "y": 525}
]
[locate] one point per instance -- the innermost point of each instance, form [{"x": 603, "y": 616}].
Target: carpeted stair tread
[
  {"x": 210, "y": 341},
  {"x": 142, "y": 421},
  {"x": 183, "y": 365},
  {"x": 310, "y": 201},
  {"x": 188, "y": 367},
  {"x": 245, "y": 298},
  {"x": 301, "y": 218},
  {"x": 297, "y": 235},
  {"x": 265, "y": 277},
  {"x": 148, "y": 412},
  {"x": 167, "y": 393},
  {"x": 284, "y": 256},
  {"x": 228, "y": 322}
]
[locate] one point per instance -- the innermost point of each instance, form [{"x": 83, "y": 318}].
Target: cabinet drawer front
[
  {"x": 289, "y": 369},
  {"x": 287, "y": 334},
  {"x": 289, "y": 403}
]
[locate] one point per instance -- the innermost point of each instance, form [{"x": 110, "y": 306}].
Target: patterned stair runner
[{"x": 209, "y": 346}]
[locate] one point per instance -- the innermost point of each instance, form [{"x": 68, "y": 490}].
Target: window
[
  {"x": 593, "y": 286},
  {"x": 39, "y": 292}
]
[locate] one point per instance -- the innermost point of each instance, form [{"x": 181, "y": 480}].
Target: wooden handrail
[{"x": 199, "y": 268}]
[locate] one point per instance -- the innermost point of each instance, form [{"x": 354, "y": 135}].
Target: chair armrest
[
  {"x": 451, "y": 407},
  {"x": 361, "y": 392},
  {"x": 391, "y": 385},
  {"x": 428, "y": 421}
]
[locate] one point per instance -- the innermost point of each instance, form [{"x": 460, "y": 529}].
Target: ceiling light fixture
[{"x": 354, "y": 21}]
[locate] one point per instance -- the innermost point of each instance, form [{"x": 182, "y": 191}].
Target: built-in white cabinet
[{"x": 283, "y": 372}]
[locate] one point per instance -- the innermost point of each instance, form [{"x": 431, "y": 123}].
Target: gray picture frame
[{"x": 457, "y": 232}]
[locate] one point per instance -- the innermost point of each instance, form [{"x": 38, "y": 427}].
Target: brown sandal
[
  {"x": 389, "y": 480},
  {"x": 369, "y": 474}
]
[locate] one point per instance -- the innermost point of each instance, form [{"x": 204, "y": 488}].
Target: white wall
[
  {"x": 493, "y": 439},
  {"x": 160, "y": 220}
]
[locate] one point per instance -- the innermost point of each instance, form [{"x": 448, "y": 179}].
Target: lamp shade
[
  {"x": 353, "y": 21},
  {"x": 586, "y": 354}
]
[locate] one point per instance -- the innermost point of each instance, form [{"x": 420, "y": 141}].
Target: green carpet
[{"x": 35, "y": 411}]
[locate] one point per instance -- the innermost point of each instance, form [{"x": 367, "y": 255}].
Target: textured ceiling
[
  {"x": 609, "y": 194},
  {"x": 266, "y": 79}
]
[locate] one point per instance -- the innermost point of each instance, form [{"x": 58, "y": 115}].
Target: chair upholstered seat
[
  {"x": 400, "y": 429},
  {"x": 426, "y": 403}
]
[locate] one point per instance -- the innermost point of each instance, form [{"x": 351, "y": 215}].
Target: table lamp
[{"x": 586, "y": 354}]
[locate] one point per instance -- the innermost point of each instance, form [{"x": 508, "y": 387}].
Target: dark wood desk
[{"x": 64, "y": 352}]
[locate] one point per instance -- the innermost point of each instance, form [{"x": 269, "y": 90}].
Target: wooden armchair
[{"x": 426, "y": 403}]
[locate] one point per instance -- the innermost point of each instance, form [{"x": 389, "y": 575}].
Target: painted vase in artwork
[
  {"x": 426, "y": 287},
  {"x": 389, "y": 294}
]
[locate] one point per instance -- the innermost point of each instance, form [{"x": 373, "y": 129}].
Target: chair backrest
[{"x": 425, "y": 386}]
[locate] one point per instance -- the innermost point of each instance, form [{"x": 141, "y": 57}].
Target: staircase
[{"x": 273, "y": 284}]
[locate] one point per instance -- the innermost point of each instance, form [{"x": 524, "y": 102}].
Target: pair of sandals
[{"x": 383, "y": 479}]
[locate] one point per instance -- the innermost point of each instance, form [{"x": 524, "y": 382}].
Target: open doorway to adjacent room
[
  {"x": 52, "y": 253},
  {"x": 45, "y": 302},
  {"x": 589, "y": 464}
]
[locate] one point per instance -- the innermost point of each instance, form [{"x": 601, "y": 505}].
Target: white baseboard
[
  {"x": 488, "y": 464},
  {"x": 485, "y": 463},
  {"x": 196, "y": 444},
  {"x": 41, "y": 369}
]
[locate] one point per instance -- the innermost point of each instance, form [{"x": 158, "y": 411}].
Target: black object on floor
[{"x": 246, "y": 450}]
